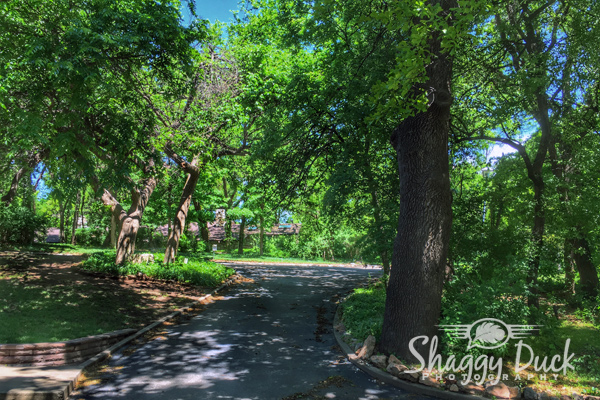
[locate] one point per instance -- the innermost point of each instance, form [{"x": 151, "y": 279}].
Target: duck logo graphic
[{"x": 488, "y": 333}]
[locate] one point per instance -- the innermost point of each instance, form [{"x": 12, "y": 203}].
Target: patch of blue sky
[{"x": 212, "y": 10}]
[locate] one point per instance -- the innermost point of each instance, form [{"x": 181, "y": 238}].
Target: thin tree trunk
[
  {"x": 82, "y": 206},
  {"x": 182, "y": 211},
  {"x": 68, "y": 220},
  {"x": 169, "y": 204},
  {"x": 588, "y": 275},
  {"x": 75, "y": 218},
  {"x": 14, "y": 186},
  {"x": 61, "y": 213},
  {"x": 385, "y": 260},
  {"x": 539, "y": 223},
  {"x": 241, "y": 238}
]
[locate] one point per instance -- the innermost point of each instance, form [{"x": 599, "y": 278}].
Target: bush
[
  {"x": 149, "y": 238},
  {"x": 195, "y": 272},
  {"x": 185, "y": 244},
  {"x": 90, "y": 237},
  {"x": 20, "y": 225}
]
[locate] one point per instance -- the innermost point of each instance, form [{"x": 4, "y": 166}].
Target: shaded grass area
[
  {"x": 584, "y": 342},
  {"x": 195, "y": 272},
  {"x": 55, "y": 248},
  {"x": 363, "y": 316},
  {"x": 44, "y": 298},
  {"x": 33, "y": 312}
]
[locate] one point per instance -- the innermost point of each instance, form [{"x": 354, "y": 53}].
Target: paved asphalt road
[{"x": 270, "y": 339}]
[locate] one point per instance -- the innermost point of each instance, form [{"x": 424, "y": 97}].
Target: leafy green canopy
[{"x": 66, "y": 73}]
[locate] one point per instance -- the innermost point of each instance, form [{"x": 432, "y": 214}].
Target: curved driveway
[{"x": 270, "y": 339}]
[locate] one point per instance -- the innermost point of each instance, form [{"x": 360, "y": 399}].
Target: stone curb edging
[
  {"x": 64, "y": 393},
  {"x": 59, "y": 353},
  {"x": 390, "y": 379}
]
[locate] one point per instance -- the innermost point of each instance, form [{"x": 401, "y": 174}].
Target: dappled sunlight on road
[{"x": 260, "y": 340}]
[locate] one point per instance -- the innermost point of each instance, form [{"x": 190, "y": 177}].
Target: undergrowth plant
[{"x": 194, "y": 272}]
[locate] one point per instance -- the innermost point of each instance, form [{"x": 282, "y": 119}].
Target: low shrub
[
  {"x": 195, "y": 272},
  {"x": 90, "y": 236},
  {"x": 20, "y": 225}
]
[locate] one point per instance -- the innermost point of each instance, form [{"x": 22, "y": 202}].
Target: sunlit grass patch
[
  {"x": 363, "y": 311},
  {"x": 195, "y": 272}
]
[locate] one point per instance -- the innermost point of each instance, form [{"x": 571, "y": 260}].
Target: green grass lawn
[
  {"x": 30, "y": 312},
  {"x": 40, "y": 302}
]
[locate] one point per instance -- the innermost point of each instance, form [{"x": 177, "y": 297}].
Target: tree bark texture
[
  {"x": 182, "y": 210},
  {"x": 537, "y": 233},
  {"x": 414, "y": 291},
  {"x": 129, "y": 221},
  {"x": 241, "y": 238},
  {"x": 61, "y": 229}
]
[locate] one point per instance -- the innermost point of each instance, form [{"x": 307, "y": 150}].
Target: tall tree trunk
[
  {"x": 539, "y": 223},
  {"x": 577, "y": 249},
  {"x": 182, "y": 210},
  {"x": 414, "y": 292},
  {"x": 385, "y": 260},
  {"x": 75, "y": 218},
  {"x": 241, "y": 239},
  {"x": 82, "y": 206},
  {"x": 169, "y": 204},
  {"x": 61, "y": 215},
  {"x": 588, "y": 275}
]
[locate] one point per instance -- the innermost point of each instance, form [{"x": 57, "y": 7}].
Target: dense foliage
[{"x": 122, "y": 125}]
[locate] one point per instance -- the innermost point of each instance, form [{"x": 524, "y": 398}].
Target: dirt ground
[{"x": 138, "y": 301}]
